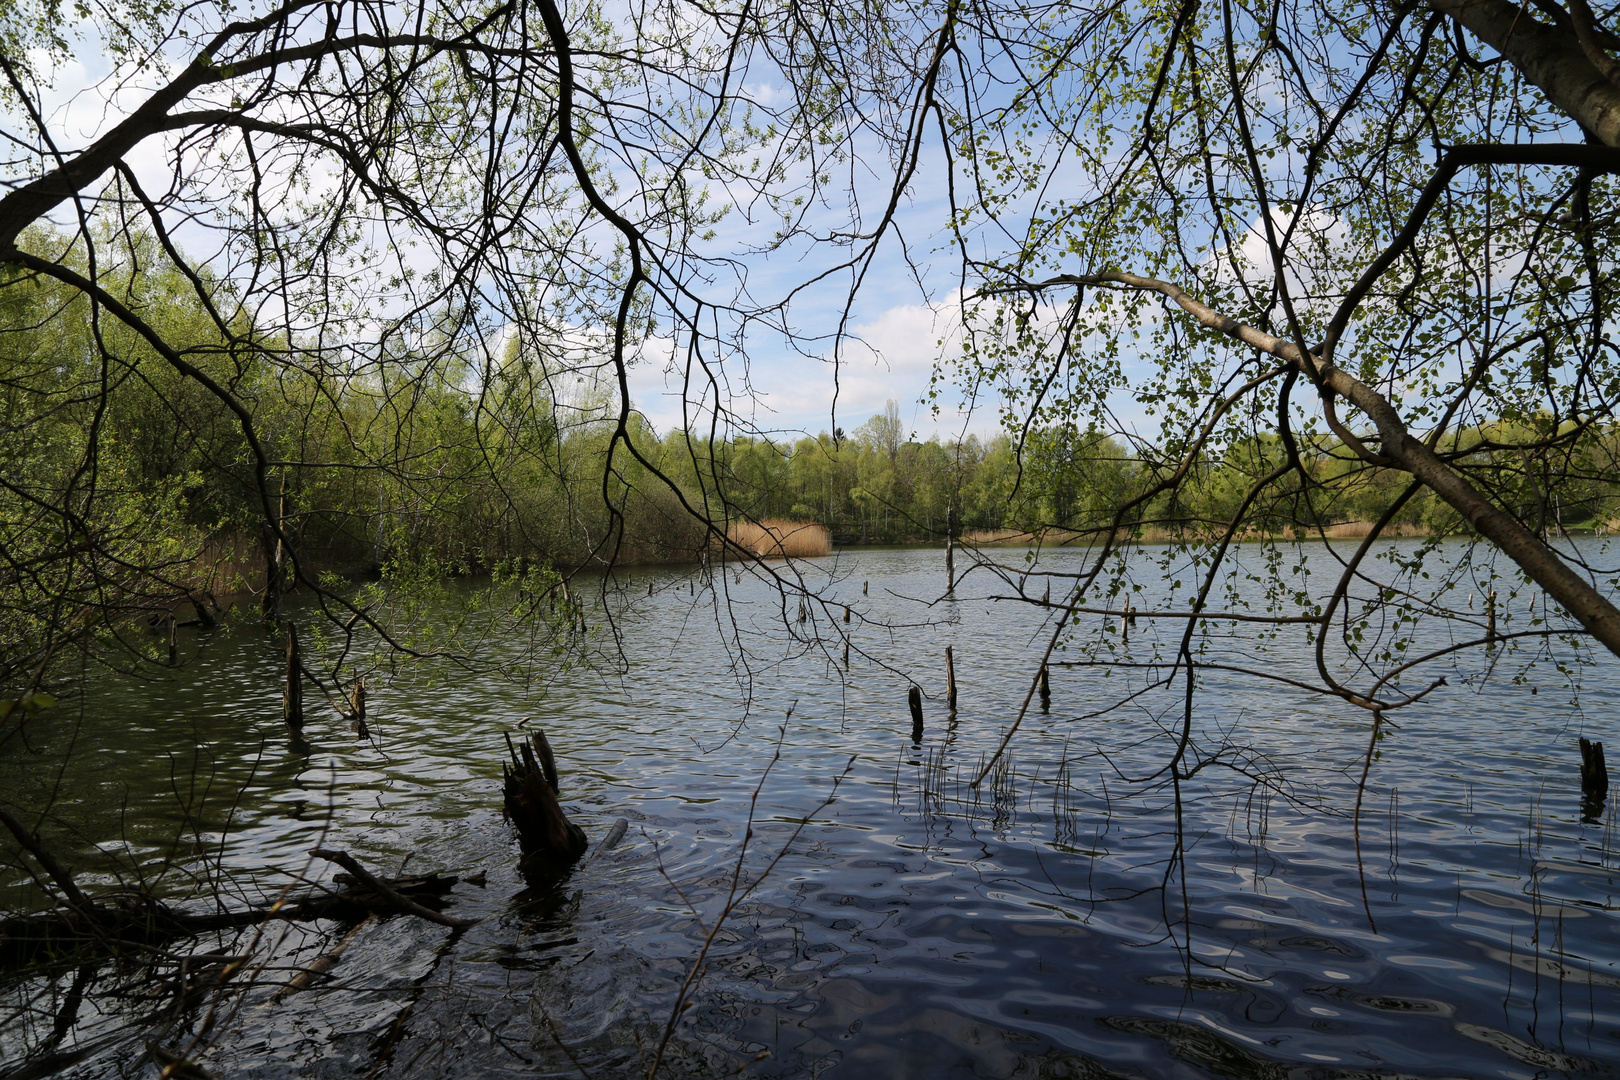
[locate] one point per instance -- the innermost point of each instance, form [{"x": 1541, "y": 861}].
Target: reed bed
[{"x": 779, "y": 538}]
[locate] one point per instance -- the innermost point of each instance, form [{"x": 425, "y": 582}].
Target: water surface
[{"x": 1073, "y": 916}]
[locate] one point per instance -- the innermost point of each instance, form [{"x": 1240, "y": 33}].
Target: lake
[{"x": 1079, "y": 914}]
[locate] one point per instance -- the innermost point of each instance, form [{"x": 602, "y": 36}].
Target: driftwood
[
  {"x": 387, "y": 893},
  {"x": 550, "y": 842},
  {"x": 143, "y": 923}
]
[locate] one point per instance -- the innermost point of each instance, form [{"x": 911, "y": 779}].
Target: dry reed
[{"x": 778, "y": 538}]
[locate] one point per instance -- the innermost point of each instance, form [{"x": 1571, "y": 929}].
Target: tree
[
  {"x": 1287, "y": 228},
  {"x": 389, "y": 217},
  {"x": 1375, "y": 224}
]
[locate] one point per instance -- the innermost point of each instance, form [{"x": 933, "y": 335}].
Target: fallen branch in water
[
  {"x": 144, "y": 923},
  {"x": 321, "y": 964},
  {"x": 381, "y": 888},
  {"x": 58, "y": 872}
]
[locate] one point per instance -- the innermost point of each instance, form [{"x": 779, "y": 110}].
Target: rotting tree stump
[{"x": 550, "y": 842}]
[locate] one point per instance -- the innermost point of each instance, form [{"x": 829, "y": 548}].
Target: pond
[{"x": 1078, "y": 914}]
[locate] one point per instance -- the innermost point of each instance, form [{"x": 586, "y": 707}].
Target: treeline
[
  {"x": 128, "y": 475},
  {"x": 876, "y": 487}
]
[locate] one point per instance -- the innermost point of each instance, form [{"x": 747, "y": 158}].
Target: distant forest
[{"x": 464, "y": 463}]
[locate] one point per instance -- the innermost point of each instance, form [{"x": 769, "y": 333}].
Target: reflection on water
[{"x": 1074, "y": 916}]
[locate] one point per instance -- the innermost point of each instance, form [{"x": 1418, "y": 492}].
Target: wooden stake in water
[
  {"x": 864, "y": 586},
  {"x": 950, "y": 680},
  {"x": 1046, "y": 687},
  {"x": 1594, "y": 770},
  {"x": 1490, "y": 619},
  {"x": 914, "y": 697},
  {"x": 846, "y": 613},
  {"x": 1046, "y": 597},
  {"x": 1126, "y": 618},
  {"x": 846, "y": 654},
  {"x": 950, "y": 563},
  {"x": 292, "y": 693}
]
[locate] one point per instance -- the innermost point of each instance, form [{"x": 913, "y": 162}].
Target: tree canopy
[{"x": 1370, "y": 241}]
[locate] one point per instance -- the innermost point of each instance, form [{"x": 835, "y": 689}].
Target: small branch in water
[
  {"x": 738, "y": 892},
  {"x": 321, "y": 964},
  {"x": 403, "y": 903},
  {"x": 56, "y": 870}
]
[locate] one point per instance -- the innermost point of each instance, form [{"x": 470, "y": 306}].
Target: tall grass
[{"x": 779, "y": 538}]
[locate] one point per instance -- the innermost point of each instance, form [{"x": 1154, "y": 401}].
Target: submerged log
[{"x": 550, "y": 842}]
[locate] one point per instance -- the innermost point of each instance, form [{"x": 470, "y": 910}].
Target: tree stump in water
[
  {"x": 549, "y": 840},
  {"x": 1594, "y": 770}
]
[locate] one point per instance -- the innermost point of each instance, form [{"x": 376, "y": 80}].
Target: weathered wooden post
[
  {"x": 1125, "y": 620},
  {"x": 292, "y": 693},
  {"x": 950, "y": 680},
  {"x": 864, "y": 586},
  {"x": 1046, "y": 597},
  {"x": 1046, "y": 688},
  {"x": 1594, "y": 781},
  {"x": 846, "y": 613},
  {"x": 846, "y": 654},
  {"x": 1490, "y": 619},
  {"x": 801, "y": 611},
  {"x": 1594, "y": 770},
  {"x": 914, "y": 698}
]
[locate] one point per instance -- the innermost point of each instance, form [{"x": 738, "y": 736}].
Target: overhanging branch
[{"x": 1578, "y": 596}]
